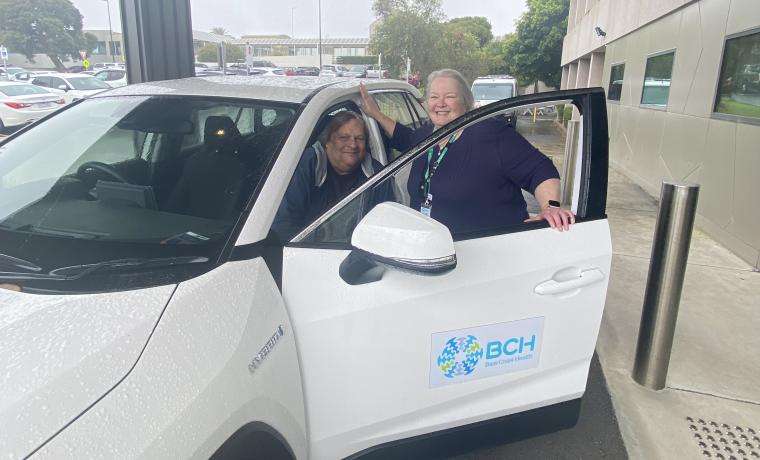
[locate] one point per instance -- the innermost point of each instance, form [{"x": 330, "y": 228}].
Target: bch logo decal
[{"x": 460, "y": 356}]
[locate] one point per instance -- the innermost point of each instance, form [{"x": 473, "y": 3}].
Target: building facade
[
  {"x": 683, "y": 89},
  {"x": 303, "y": 51}
]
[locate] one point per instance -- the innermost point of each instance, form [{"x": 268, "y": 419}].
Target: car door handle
[{"x": 586, "y": 277}]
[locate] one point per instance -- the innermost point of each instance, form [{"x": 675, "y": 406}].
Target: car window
[
  {"x": 393, "y": 104},
  {"x": 56, "y": 82},
  {"x": 111, "y": 178},
  {"x": 243, "y": 117},
  {"x": 538, "y": 141},
  {"x": 87, "y": 83},
  {"x": 117, "y": 74},
  {"x": 422, "y": 114},
  {"x": 21, "y": 90},
  {"x": 41, "y": 81},
  {"x": 103, "y": 76}
]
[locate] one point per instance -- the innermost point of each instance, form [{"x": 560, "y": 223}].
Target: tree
[
  {"x": 210, "y": 53},
  {"x": 477, "y": 26},
  {"x": 219, "y": 31},
  {"x": 410, "y": 28},
  {"x": 536, "y": 52},
  {"x": 461, "y": 51},
  {"x": 495, "y": 54},
  {"x": 51, "y": 27}
]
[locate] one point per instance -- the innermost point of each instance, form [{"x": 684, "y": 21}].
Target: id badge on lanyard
[
  {"x": 432, "y": 167},
  {"x": 427, "y": 206}
]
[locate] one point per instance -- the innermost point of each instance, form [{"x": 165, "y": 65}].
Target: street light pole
[
  {"x": 319, "y": 47},
  {"x": 110, "y": 30},
  {"x": 292, "y": 29}
]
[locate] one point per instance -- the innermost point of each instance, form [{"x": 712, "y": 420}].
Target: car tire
[{"x": 2, "y": 127}]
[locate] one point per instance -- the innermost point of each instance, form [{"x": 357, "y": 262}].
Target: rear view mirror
[{"x": 398, "y": 237}]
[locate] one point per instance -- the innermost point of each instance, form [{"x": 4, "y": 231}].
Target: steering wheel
[{"x": 86, "y": 170}]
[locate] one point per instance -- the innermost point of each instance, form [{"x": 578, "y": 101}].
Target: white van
[{"x": 493, "y": 88}]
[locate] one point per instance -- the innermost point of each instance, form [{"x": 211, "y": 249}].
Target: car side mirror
[
  {"x": 63, "y": 87},
  {"x": 395, "y": 236}
]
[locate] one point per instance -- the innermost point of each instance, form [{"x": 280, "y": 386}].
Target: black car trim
[{"x": 510, "y": 428}]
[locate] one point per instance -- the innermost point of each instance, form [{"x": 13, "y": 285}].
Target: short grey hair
[
  {"x": 337, "y": 121},
  {"x": 465, "y": 93}
]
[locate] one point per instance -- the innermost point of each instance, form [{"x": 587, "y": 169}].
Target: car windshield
[
  {"x": 357, "y": 68},
  {"x": 134, "y": 177},
  {"x": 21, "y": 90},
  {"x": 492, "y": 91},
  {"x": 87, "y": 83}
]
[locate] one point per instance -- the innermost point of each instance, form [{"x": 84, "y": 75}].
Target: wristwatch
[{"x": 554, "y": 204}]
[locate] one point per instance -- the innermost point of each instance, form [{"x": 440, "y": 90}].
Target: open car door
[{"x": 404, "y": 329}]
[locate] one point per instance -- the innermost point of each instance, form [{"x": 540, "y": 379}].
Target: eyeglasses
[{"x": 346, "y": 138}]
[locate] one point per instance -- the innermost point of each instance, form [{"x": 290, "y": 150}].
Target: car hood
[{"x": 60, "y": 353}]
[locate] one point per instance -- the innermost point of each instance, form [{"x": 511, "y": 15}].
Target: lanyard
[{"x": 432, "y": 167}]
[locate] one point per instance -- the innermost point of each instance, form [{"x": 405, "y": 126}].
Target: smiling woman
[{"x": 483, "y": 168}]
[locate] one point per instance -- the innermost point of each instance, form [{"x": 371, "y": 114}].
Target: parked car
[
  {"x": 290, "y": 71},
  {"x": 8, "y": 73},
  {"x": 147, "y": 310},
  {"x": 333, "y": 70},
  {"x": 72, "y": 86},
  {"x": 26, "y": 76},
  {"x": 267, "y": 71},
  {"x": 308, "y": 71},
  {"x": 22, "y": 103},
  {"x": 375, "y": 71},
  {"x": 107, "y": 65},
  {"x": 356, "y": 71},
  {"x": 114, "y": 78}
]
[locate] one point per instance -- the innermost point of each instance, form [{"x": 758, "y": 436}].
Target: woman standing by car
[{"x": 472, "y": 181}]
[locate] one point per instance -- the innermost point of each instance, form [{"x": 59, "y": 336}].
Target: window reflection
[
  {"x": 657, "y": 79},
  {"x": 739, "y": 86}
]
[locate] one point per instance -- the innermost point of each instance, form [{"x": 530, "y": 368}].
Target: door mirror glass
[
  {"x": 396, "y": 236},
  {"x": 63, "y": 87}
]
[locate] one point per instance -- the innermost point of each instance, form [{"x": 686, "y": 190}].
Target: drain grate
[{"x": 723, "y": 441}]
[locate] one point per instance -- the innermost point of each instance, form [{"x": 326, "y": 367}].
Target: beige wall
[
  {"x": 685, "y": 142},
  {"x": 616, "y": 17}
]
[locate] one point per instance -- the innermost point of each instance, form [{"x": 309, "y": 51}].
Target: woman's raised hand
[{"x": 369, "y": 106}]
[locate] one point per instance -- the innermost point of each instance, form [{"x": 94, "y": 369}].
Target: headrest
[{"x": 219, "y": 129}]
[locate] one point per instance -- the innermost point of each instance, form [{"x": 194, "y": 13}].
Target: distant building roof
[
  {"x": 197, "y": 36},
  {"x": 303, "y": 41},
  {"x": 211, "y": 38}
]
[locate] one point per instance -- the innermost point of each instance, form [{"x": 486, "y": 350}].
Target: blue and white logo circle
[{"x": 460, "y": 356}]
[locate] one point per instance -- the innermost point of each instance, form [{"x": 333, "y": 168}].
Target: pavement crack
[{"x": 715, "y": 395}]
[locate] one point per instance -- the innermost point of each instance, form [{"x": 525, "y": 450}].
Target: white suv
[{"x": 146, "y": 310}]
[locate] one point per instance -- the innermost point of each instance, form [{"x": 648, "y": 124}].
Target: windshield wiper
[
  {"x": 76, "y": 272},
  {"x": 79, "y": 271},
  {"x": 18, "y": 264}
]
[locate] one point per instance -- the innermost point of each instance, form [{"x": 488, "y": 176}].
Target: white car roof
[
  {"x": 275, "y": 88},
  {"x": 13, "y": 83},
  {"x": 489, "y": 80},
  {"x": 66, "y": 76}
]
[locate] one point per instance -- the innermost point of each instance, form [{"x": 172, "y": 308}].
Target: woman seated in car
[
  {"x": 329, "y": 170},
  {"x": 472, "y": 180}
]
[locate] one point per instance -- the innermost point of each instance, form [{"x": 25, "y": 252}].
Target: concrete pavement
[{"x": 712, "y": 395}]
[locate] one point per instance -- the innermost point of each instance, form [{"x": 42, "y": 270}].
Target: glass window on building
[
  {"x": 739, "y": 85},
  {"x": 115, "y": 48},
  {"x": 615, "y": 89},
  {"x": 657, "y": 78},
  {"x": 100, "y": 48}
]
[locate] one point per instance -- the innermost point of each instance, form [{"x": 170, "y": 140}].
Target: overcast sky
[{"x": 340, "y": 18}]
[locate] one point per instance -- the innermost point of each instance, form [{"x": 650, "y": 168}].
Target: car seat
[{"x": 214, "y": 179}]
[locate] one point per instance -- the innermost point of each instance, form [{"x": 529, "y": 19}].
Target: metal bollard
[{"x": 670, "y": 251}]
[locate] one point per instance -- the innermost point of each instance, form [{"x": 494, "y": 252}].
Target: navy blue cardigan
[{"x": 478, "y": 184}]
